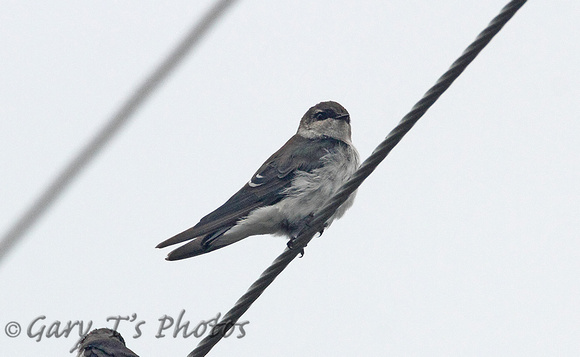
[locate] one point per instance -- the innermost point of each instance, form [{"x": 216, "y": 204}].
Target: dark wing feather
[{"x": 266, "y": 187}]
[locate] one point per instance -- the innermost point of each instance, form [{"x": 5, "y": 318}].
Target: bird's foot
[
  {"x": 322, "y": 229},
  {"x": 292, "y": 246}
]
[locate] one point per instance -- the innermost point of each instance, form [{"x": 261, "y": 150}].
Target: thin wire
[
  {"x": 367, "y": 167},
  {"x": 112, "y": 127}
]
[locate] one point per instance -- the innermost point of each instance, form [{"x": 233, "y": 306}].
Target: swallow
[
  {"x": 104, "y": 342},
  {"x": 292, "y": 185}
]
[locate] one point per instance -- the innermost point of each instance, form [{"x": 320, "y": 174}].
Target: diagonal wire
[
  {"x": 112, "y": 127},
  {"x": 367, "y": 167}
]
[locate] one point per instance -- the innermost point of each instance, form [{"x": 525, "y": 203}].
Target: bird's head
[{"x": 326, "y": 119}]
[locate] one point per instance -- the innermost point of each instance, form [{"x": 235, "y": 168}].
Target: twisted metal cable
[
  {"x": 104, "y": 136},
  {"x": 367, "y": 167}
]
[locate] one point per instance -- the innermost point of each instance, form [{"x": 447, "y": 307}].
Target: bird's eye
[{"x": 321, "y": 116}]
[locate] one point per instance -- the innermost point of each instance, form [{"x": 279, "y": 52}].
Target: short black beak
[{"x": 345, "y": 117}]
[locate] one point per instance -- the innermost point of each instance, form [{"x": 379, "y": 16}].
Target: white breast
[{"x": 311, "y": 191}]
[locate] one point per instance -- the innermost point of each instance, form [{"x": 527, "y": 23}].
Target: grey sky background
[{"x": 465, "y": 241}]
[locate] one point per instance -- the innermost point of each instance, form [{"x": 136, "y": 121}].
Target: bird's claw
[
  {"x": 291, "y": 246},
  {"x": 322, "y": 229}
]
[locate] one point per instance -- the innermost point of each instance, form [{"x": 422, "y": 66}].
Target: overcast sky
[{"x": 464, "y": 242}]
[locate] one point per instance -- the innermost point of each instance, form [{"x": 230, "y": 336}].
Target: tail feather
[
  {"x": 190, "y": 249},
  {"x": 188, "y": 234},
  {"x": 201, "y": 245},
  {"x": 197, "y": 247}
]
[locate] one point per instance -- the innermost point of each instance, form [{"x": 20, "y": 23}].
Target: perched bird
[
  {"x": 104, "y": 342},
  {"x": 293, "y": 184}
]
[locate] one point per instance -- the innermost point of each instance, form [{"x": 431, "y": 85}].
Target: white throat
[{"x": 336, "y": 129}]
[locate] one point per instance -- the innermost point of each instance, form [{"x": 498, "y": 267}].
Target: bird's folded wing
[{"x": 267, "y": 186}]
